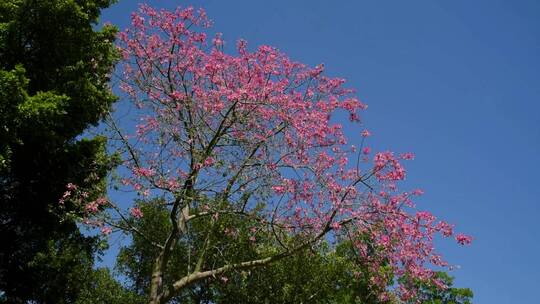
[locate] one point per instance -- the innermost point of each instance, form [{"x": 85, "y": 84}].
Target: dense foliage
[
  {"x": 54, "y": 73},
  {"x": 433, "y": 294},
  {"x": 320, "y": 274},
  {"x": 315, "y": 275}
]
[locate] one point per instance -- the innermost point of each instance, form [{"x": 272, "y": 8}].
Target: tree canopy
[
  {"x": 243, "y": 154},
  {"x": 319, "y": 274},
  {"x": 54, "y": 73}
]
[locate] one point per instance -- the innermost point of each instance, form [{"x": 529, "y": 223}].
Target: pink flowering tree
[{"x": 251, "y": 135}]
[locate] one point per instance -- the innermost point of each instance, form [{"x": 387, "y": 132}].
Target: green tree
[
  {"x": 316, "y": 275},
  {"x": 102, "y": 288},
  {"x": 54, "y": 70},
  {"x": 429, "y": 293}
]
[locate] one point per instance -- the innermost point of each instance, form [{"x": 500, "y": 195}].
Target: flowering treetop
[{"x": 251, "y": 134}]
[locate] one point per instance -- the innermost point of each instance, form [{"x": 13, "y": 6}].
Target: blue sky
[{"x": 457, "y": 82}]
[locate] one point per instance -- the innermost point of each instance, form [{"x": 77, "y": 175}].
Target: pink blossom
[
  {"x": 102, "y": 201},
  {"x": 145, "y": 172},
  {"x": 407, "y": 156},
  {"x": 106, "y": 230},
  {"x": 387, "y": 167},
  {"x": 439, "y": 284},
  {"x": 445, "y": 228},
  {"x": 66, "y": 195},
  {"x": 463, "y": 239},
  {"x": 279, "y": 189},
  {"x": 136, "y": 212},
  {"x": 209, "y": 162},
  {"x": 218, "y": 40},
  {"x": 92, "y": 207},
  {"x": 335, "y": 225},
  {"x": 418, "y": 192}
]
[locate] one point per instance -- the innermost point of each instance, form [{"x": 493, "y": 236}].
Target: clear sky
[{"x": 457, "y": 82}]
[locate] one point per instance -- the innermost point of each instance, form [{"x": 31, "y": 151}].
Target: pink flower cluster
[
  {"x": 136, "y": 212},
  {"x": 463, "y": 239},
  {"x": 387, "y": 167}
]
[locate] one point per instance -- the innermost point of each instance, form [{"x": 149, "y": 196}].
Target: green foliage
[
  {"x": 102, "y": 288},
  {"x": 313, "y": 276},
  {"x": 136, "y": 261},
  {"x": 316, "y": 275},
  {"x": 431, "y": 294},
  {"x": 54, "y": 69}
]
